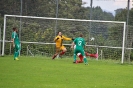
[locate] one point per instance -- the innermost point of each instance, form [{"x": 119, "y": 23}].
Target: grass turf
[{"x": 42, "y": 72}]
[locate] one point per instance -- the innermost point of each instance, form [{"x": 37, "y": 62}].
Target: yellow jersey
[{"x": 59, "y": 39}]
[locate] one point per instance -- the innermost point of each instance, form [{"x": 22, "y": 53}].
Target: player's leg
[
  {"x": 94, "y": 55},
  {"x": 75, "y": 56},
  {"x": 57, "y": 52},
  {"x": 91, "y": 55},
  {"x": 85, "y": 59},
  {"x": 17, "y": 51},
  {"x": 63, "y": 48},
  {"x": 80, "y": 57},
  {"x": 87, "y": 54}
]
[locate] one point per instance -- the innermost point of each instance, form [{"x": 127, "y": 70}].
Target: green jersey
[
  {"x": 79, "y": 42},
  {"x": 15, "y": 37}
]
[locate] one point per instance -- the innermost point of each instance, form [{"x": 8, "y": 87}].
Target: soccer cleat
[
  {"x": 86, "y": 63},
  {"x": 75, "y": 62},
  {"x": 79, "y": 61},
  {"x": 16, "y": 59},
  {"x": 54, "y": 57}
]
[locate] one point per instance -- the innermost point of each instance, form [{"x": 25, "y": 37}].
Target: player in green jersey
[
  {"x": 80, "y": 44},
  {"x": 16, "y": 43}
]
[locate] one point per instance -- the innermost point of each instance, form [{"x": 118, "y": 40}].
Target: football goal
[{"x": 37, "y": 33}]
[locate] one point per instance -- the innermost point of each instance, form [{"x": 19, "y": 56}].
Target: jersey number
[{"x": 79, "y": 43}]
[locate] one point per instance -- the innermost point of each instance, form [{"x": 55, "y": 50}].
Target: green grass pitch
[{"x": 42, "y": 72}]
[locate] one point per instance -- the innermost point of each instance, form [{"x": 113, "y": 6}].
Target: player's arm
[
  {"x": 85, "y": 44},
  {"x": 72, "y": 46},
  {"x": 56, "y": 38},
  {"x": 12, "y": 40},
  {"x": 66, "y": 38}
]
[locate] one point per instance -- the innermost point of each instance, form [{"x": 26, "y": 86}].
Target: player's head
[
  {"x": 80, "y": 35},
  {"x": 59, "y": 33},
  {"x": 14, "y": 29}
]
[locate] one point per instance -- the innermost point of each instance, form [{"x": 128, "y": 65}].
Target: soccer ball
[{"x": 92, "y": 38}]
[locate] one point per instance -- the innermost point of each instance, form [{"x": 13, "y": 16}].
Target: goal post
[{"x": 41, "y": 30}]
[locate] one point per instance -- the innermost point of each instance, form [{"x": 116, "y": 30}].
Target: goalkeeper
[
  {"x": 16, "y": 43},
  {"x": 59, "y": 47}
]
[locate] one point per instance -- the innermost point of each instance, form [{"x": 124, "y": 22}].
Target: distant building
[{"x": 131, "y": 4}]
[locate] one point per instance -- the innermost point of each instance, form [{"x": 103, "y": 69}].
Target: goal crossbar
[{"x": 63, "y": 19}]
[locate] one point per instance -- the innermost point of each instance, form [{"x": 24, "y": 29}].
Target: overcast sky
[{"x": 108, "y": 5}]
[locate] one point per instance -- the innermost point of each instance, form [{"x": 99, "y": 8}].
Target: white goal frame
[{"x": 19, "y": 16}]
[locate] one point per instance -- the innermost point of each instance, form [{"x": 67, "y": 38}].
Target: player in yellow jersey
[{"x": 60, "y": 48}]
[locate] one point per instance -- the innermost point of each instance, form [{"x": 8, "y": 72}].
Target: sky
[{"x": 107, "y": 5}]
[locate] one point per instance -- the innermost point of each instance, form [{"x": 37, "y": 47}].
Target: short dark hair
[
  {"x": 81, "y": 35},
  {"x": 14, "y": 28},
  {"x": 58, "y": 32}
]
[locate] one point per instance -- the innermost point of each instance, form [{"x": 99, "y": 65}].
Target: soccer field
[{"x": 42, "y": 72}]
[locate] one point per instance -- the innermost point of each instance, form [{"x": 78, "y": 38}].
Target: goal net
[{"x": 107, "y": 38}]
